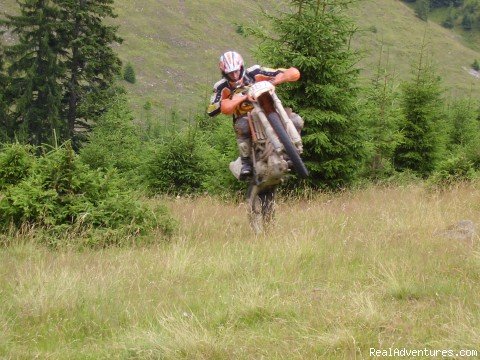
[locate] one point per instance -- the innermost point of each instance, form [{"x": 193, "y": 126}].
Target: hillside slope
[
  {"x": 174, "y": 45},
  {"x": 401, "y": 34}
]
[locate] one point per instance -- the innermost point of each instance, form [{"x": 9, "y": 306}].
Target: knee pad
[
  {"x": 244, "y": 148},
  {"x": 242, "y": 130}
]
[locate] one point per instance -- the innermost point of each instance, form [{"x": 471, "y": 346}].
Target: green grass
[{"x": 339, "y": 274}]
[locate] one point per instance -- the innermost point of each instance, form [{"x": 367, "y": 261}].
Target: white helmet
[{"x": 231, "y": 61}]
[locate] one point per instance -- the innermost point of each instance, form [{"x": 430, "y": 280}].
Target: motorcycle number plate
[{"x": 260, "y": 87}]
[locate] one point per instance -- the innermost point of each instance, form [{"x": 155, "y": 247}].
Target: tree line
[
  {"x": 60, "y": 73},
  {"x": 461, "y": 13}
]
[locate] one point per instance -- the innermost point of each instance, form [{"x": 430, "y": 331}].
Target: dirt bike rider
[{"x": 227, "y": 99}]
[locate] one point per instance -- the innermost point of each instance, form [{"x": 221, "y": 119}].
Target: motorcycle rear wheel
[
  {"x": 290, "y": 149},
  {"x": 261, "y": 208}
]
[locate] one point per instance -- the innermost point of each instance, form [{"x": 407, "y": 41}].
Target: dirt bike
[{"x": 276, "y": 149}]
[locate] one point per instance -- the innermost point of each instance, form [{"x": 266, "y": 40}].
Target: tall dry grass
[{"x": 337, "y": 275}]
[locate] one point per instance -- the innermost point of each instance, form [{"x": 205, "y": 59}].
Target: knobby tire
[{"x": 261, "y": 208}]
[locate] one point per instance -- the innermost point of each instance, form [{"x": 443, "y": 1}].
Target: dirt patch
[{"x": 473, "y": 72}]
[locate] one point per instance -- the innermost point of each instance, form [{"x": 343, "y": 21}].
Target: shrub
[
  {"x": 180, "y": 165},
  {"x": 403, "y": 178},
  {"x": 454, "y": 169},
  {"x": 15, "y": 163},
  {"x": 129, "y": 74},
  {"x": 62, "y": 194},
  {"x": 476, "y": 65}
]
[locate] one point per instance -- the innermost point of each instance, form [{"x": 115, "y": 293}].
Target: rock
[{"x": 464, "y": 230}]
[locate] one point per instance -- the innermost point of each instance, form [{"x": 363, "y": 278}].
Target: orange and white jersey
[{"x": 223, "y": 89}]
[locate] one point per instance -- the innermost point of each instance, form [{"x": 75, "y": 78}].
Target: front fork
[
  {"x": 269, "y": 132},
  {"x": 292, "y": 132},
  {"x": 289, "y": 126}
]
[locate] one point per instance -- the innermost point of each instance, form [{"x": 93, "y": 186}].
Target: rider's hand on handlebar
[
  {"x": 242, "y": 96},
  {"x": 228, "y": 106},
  {"x": 277, "y": 79},
  {"x": 289, "y": 75}
]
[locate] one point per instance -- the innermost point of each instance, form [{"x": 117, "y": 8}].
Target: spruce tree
[
  {"x": 114, "y": 141},
  {"x": 422, "y": 8},
  {"x": 449, "y": 21},
  {"x": 90, "y": 60},
  {"x": 34, "y": 71},
  {"x": 129, "y": 74},
  {"x": 464, "y": 136},
  {"x": 476, "y": 65},
  {"x": 316, "y": 40},
  {"x": 381, "y": 110},
  {"x": 62, "y": 68},
  {"x": 467, "y": 22},
  {"x": 4, "y": 122},
  {"x": 423, "y": 125}
]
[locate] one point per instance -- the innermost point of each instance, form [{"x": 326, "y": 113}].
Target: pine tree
[
  {"x": 4, "y": 120},
  {"x": 422, "y": 8},
  {"x": 316, "y": 40},
  {"x": 382, "y": 114},
  {"x": 476, "y": 65},
  {"x": 129, "y": 74},
  {"x": 423, "y": 126},
  {"x": 34, "y": 70},
  {"x": 465, "y": 132},
  {"x": 90, "y": 61}
]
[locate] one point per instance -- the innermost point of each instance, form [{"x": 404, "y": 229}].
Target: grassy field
[{"x": 339, "y": 274}]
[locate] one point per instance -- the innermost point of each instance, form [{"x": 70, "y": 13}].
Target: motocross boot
[
  {"x": 244, "y": 148},
  {"x": 246, "y": 170}
]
